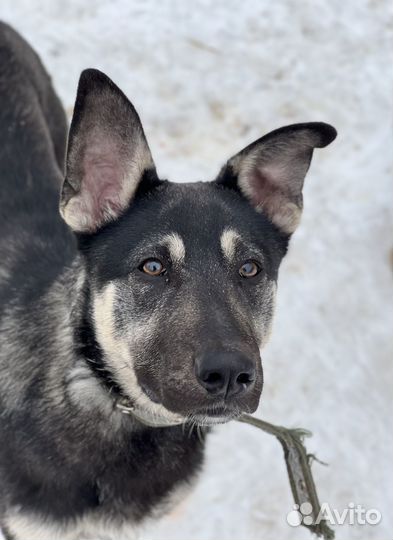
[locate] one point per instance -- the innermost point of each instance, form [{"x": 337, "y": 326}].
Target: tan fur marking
[
  {"x": 228, "y": 241},
  {"x": 118, "y": 355},
  {"x": 176, "y": 247}
]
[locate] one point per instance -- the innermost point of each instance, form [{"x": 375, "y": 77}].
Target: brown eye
[
  {"x": 249, "y": 269},
  {"x": 153, "y": 267}
]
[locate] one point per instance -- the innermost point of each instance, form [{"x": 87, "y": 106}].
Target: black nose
[{"x": 225, "y": 373}]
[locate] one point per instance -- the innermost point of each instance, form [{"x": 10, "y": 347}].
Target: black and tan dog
[{"x": 141, "y": 296}]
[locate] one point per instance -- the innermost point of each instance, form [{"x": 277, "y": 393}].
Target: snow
[{"x": 208, "y": 78}]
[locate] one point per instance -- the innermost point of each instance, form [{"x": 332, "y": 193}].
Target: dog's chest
[
  {"x": 109, "y": 522},
  {"x": 146, "y": 481},
  {"x": 91, "y": 527}
]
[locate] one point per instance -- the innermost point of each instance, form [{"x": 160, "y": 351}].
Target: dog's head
[{"x": 182, "y": 277}]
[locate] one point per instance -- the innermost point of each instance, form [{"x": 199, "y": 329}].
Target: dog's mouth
[
  {"x": 214, "y": 416},
  {"x": 154, "y": 418}
]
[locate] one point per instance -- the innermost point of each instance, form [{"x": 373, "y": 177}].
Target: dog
[{"x": 132, "y": 313}]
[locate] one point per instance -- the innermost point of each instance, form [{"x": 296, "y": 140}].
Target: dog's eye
[
  {"x": 153, "y": 267},
  {"x": 249, "y": 269}
]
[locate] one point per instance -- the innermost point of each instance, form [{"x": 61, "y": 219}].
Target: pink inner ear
[
  {"x": 263, "y": 185},
  {"x": 102, "y": 185}
]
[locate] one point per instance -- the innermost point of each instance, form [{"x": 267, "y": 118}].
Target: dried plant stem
[{"x": 299, "y": 469}]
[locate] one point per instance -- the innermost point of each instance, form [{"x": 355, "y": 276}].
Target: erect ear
[
  {"x": 107, "y": 155},
  {"x": 270, "y": 172}
]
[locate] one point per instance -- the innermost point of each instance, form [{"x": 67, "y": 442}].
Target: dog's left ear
[
  {"x": 107, "y": 155},
  {"x": 270, "y": 172}
]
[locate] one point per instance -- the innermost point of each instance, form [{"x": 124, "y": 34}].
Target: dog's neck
[
  {"x": 86, "y": 344},
  {"x": 87, "y": 370},
  {"x": 87, "y": 383}
]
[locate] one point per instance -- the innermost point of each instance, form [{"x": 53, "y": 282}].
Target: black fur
[
  {"x": 132, "y": 472},
  {"x": 60, "y": 457},
  {"x": 126, "y": 473}
]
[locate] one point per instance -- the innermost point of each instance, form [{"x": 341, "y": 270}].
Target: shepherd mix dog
[{"x": 138, "y": 309}]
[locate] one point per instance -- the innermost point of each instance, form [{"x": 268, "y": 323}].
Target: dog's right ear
[{"x": 107, "y": 155}]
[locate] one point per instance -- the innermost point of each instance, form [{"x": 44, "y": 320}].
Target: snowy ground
[{"x": 208, "y": 77}]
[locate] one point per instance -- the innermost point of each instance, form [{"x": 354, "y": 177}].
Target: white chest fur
[{"x": 89, "y": 528}]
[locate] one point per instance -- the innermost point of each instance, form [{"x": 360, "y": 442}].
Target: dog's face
[
  {"x": 183, "y": 290},
  {"x": 182, "y": 277}
]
